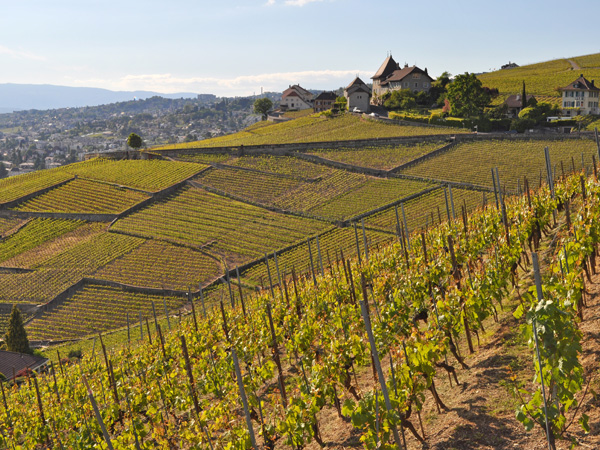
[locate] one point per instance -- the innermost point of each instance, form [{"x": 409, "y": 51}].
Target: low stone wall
[
  {"x": 340, "y": 165},
  {"x": 118, "y": 154},
  {"x": 431, "y": 154},
  {"x": 57, "y": 215}
]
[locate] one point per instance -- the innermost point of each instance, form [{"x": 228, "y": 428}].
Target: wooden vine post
[
  {"x": 275, "y": 350},
  {"x": 456, "y": 275},
  {"x": 375, "y": 357},
  {"x": 240, "y": 381}
]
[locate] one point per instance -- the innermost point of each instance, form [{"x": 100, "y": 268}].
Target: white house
[
  {"x": 296, "y": 98},
  {"x": 580, "y": 98},
  {"x": 358, "y": 95}
]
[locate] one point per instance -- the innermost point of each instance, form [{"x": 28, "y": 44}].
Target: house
[
  {"x": 15, "y": 364},
  {"x": 324, "y": 101},
  {"x": 296, "y": 98},
  {"x": 514, "y": 104},
  {"x": 358, "y": 95},
  {"x": 390, "y": 77},
  {"x": 580, "y": 98}
]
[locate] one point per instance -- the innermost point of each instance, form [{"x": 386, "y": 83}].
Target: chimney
[
  {"x": 581, "y": 76},
  {"x": 426, "y": 70}
]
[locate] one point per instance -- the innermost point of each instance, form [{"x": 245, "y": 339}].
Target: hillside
[
  {"x": 440, "y": 300},
  {"x": 543, "y": 79},
  {"x": 314, "y": 128}
]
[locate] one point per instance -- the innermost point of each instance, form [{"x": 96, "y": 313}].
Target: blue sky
[{"x": 235, "y": 47}]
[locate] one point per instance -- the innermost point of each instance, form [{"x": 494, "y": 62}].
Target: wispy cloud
[
  {"x": 292, "y": 2},
  {"x": 300, "y": 2},
  {"x": 241, "y": 85},
  {"x": 20, "y": 54}
]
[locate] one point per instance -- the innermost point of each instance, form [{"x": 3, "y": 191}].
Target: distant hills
[{"x": 15, "y": 97}]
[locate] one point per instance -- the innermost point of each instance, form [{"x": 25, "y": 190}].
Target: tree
[
  {"x": 16, "y": 336},
  {"x": 134, "y": 141},
  {"x": 3, "y": 171},
  {"x": 402, "y": 99},
  {"x": 341, "y": 103},
  {"x": 263, "y": 106},
  {"x": 467, "y": 96}
]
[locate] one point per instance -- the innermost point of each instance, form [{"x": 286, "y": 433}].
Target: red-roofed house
[
  {"x": 295, "y": 98},
  {"x": 580, "y": 98}
]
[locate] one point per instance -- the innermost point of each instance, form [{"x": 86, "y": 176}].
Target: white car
[
  {"x": 356, "y": 110},
  {"x": 374, "y": 114}
]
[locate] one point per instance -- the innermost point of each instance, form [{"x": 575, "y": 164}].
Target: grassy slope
[{"x": 543, "y": 78}]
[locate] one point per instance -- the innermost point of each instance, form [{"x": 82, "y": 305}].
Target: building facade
[
  {"x": 580, "y": 98},
  {"x": 358, "y": 95},
  {"x": 324, "y": 101},
  {"x": 296, "y": 98},
  {"x": 390, "y": 77}
]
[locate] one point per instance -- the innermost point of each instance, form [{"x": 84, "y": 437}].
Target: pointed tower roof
[{"x": 388, "y": 66}]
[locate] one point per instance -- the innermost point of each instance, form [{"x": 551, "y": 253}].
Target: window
[
  {"x": 416, "y": 85},
  {"x": 406, "y": 84}
]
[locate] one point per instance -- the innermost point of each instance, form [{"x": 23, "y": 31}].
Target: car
[
  {"x": 356, "y": 110},
  {"x": 374, "y": 114}
]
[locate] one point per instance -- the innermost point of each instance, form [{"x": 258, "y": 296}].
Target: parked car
[
  {"x": 374, "y": 114},
  {"x": 356, "y": 110}
]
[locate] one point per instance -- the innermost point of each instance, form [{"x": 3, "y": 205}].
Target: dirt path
[{"x": 574, "y": 65}]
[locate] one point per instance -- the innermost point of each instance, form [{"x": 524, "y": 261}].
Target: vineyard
[
  {"x": 83, "y": 196},
  {"x": 542, "y": 78},
  {"x": 149, "y": 175},
  {"x": 429, "y": 209},
  {"x": 472, "y": 162},
  {"x": 382, "y": 346},
  {"x": 230, "y": 228},
  {"x": 314, "y": 128},
  {"x": 97, "y": 309},
  {"x": 162, "y": 265},
  {"x": 15, "y": 187},
  {"x": 384, "y": 158}
]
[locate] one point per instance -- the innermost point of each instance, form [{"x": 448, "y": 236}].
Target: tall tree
[
  {"x": 16, "y": 336},
  {"x": 263, "y": 106},
  {"x": 467, "y": 96},
  {"x": 523, "y": 97},
  {"x": 134, "y": 141}
]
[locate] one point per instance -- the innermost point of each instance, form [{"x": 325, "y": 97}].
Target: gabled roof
[
  {"x": 581, "y": 84},
  {"x": 326, "y": 95},
  {"x": 302, "y": 93},
  {"x": 514, "y": 101},
  {"x": 18, "y": 361},
  {"x": 290, "y": 94},
  {"x": 400, "y": 74},
  {"x": 357, "y": 85},
  {"x": 388, "y": 66}
]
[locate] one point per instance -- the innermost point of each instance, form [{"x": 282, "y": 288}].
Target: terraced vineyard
[
  {"x": 373, "y": 193},
  {"x": 149, "y": 175},
  {"x": 205, "y": 158},
  {"x": 84, "y": 196},
  {"x": 230, "y": 228},
  {"x": 429, "y": 209},
  {"x": 384, "y": 158},
  {"x": 254, "y": 186},
  {"x": 331, "y": 245},
  {"x": 162, "y": 265},
  {"x": 283, "y": 165},
  {"x": 34, "y": 233},
  {"x": 55, "y": 274},
  {"x": 96, "y": 309},
  {"x": 37, "y": 255},
  {"x": 13, "y": 188},
  {"x": 8, "y": 224},
  {"x": 472, "y": 162},
  {"x": 315, "y": 128}
]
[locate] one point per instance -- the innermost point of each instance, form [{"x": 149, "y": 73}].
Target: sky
[{"x": 237, "y": 47}]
